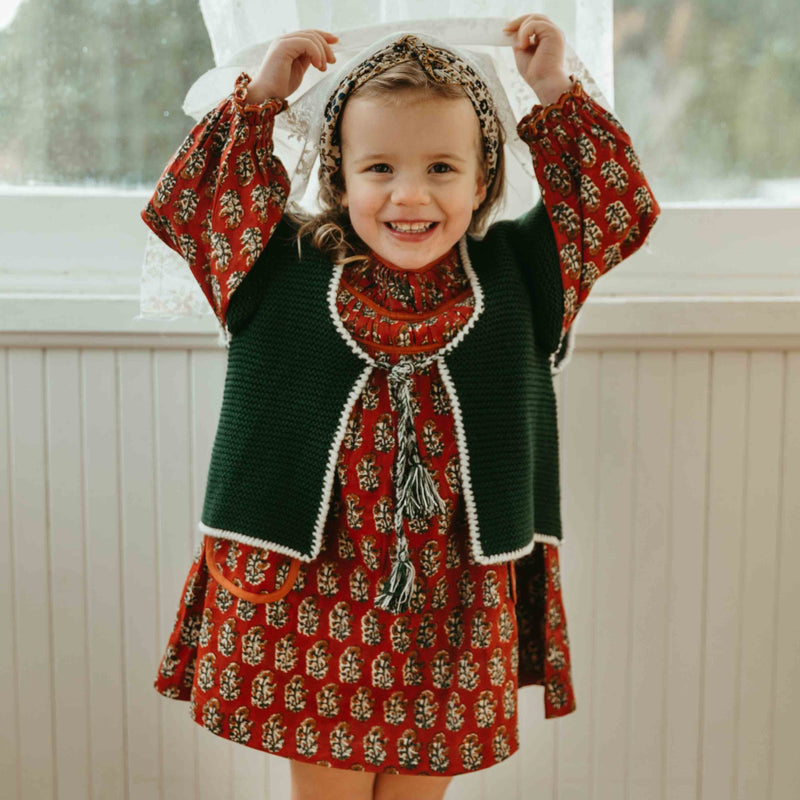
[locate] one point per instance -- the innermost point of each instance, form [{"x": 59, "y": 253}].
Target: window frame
[{"x": 80, "y": 271}]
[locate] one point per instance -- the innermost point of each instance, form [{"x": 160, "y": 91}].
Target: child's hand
[
  {"x": 287, "y": 60},
  {"x": 541, "y": 61}
]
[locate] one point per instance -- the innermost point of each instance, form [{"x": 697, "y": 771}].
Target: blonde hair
[{"x": 330, "y": 230}]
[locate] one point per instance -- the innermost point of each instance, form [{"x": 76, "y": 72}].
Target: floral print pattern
[
  {"x": 321, "y": 675},
  {"x": 221, "y": 194},
  {"x": 600, "y": 204}
]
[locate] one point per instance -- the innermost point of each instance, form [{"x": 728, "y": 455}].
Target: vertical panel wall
[{"x": 679, "y": 568}]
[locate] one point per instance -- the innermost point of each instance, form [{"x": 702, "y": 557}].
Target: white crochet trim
[
  {"x": 333, "y": 288},
  {"x": 224, "y": 336},
  {"x": 466, "y": 481},
  {"x": 333, "y": 454},
  {"x": 279, "y": 548},
  {"x": 463, "y": 458},
  {"x": 570, "y": 338},
  {"x": 477, "y": 292},
  {"x": 252, "y": 540},
  {"x": 541, "y": 537},
  {"x": 463, "y": 450},
  {"x": 327, "y": 487}
]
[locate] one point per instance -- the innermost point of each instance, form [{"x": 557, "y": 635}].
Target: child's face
[{"x": 410, "y": 163}]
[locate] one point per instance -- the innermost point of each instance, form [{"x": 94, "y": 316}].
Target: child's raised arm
[
  {"x": 223, "y": 192},
  {"x": 599, "y": 203}
]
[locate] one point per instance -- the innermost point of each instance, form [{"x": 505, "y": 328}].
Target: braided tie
[{"x": 417, "y": 495}]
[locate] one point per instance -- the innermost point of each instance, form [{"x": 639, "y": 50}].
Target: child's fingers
[
  {"x": 533, "y": 27},
  {"x": 329, "y": 52},
  {"x": 324, "y": 37},
  {"x": 326, "y": 52},
  {"x": 315, "y": 30},
  {"x": 527, "y": 27},
  {"x": 515, "y": 23},
  {"x": 318, "y": 49},
  {"x": 527, "y": 30},
  {"x": 321, "y": 57},
  {"x": 314, "y": 50}
]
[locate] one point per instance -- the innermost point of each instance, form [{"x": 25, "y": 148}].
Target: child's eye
[{"x": 447, "y": 168}]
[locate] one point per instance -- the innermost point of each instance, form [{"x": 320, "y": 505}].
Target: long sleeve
[
  {"x": 222, "y": 193},
  {"x": 600, "y": 205},
  {"x": 596, "y": 209}
]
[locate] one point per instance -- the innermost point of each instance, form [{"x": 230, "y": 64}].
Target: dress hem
[{"x": 389, "y": 770}]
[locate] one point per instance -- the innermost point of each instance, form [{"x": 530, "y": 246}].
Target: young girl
[{"x": 368, "y": 595}]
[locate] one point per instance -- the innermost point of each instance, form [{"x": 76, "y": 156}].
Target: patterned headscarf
[
  {"x": 441, "y": 65},
  {"x": 491, "y": 77}
]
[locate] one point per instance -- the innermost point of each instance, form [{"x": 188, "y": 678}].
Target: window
[
  {"x": 91, "y": 98},
  {"x": 93, "y": 90},
  {"x": 710, "y": 95}
]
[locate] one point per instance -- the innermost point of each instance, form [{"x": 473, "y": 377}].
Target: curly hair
[{"x": 330, "y": 230}]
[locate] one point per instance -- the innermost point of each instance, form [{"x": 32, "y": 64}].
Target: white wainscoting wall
[{"x": 680, "y": 440}]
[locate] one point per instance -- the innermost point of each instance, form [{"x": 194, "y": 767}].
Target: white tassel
[
  {"x": 416, "y": 492},
  {"x": 397, "y": 591},
  {"x": 418, "y": 496}
]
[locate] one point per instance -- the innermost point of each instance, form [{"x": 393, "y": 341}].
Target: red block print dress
[
  {"x": 321, "y": 675},
  {"x": 318, "y": 673}
]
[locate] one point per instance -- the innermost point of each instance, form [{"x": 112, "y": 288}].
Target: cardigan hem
[
  {"x": 266, "y": 544},
  {"x": 253, "y": 541},
  {"x": 545, "y": 539}
]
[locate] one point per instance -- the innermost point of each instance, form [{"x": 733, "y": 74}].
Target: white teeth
[{"x": 414, "y": 228}]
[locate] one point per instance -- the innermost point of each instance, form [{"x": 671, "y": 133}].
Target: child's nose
[{"x": 409, "y": 190}]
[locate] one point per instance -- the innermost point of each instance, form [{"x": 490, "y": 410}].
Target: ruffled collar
[{"x": 420, "y": 290}]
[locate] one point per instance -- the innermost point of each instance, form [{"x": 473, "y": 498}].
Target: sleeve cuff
[
  {"x": 272, "y": 104},
  {"x": 534, "y": 122}
]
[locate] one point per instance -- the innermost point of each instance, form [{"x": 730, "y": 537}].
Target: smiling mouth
[{"x": 416, "y": 229}]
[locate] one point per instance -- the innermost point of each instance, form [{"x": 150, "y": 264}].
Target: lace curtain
[{"x": 168, "y": 289}]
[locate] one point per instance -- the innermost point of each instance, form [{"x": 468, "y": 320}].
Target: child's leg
[
  {"x": 314, "y": 782},
  {"x": 401, "y": 787}
]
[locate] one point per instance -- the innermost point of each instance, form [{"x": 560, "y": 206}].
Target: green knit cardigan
[{"x": 294, "y": 373}]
